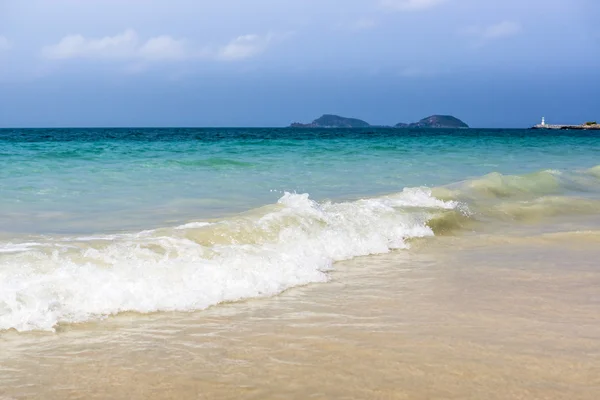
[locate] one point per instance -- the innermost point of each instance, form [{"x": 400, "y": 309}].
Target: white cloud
[
  {"x": 410, "y": 5},
  {"x": 123, "y": 45},
  {"x": 5, "y": 44},
  {"x": 163, "y": 48},
  {"x": 247, "y": 46},
  {"x": 126, "y": 45}
]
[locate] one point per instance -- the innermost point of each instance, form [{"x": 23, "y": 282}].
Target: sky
[{"x": 492, "y": 63}]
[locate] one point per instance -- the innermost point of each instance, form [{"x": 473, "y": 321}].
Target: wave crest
[{"x": 194, "y": 266}]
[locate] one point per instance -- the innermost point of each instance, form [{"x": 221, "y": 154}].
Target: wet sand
[{"x": 468, "y": 317}]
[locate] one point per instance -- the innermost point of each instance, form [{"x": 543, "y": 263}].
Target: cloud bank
[
  {"x": 128, "y": 46},
  {"x": 245, "y": 46}
]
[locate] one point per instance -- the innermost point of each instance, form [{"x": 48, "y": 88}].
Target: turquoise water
[
  {"x": 95, "y": 222},
  {"x": 91, "y": 180}
]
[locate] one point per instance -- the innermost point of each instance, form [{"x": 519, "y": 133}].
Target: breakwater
[{"x": 568, "y": 127}]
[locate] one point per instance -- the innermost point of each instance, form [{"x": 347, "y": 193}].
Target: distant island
[
  {"x": 436, "y": 121},
  {"x": 335, "y": 121}
]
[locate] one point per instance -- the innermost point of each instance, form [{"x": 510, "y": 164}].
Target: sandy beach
[{"x": 475, "y": 316}]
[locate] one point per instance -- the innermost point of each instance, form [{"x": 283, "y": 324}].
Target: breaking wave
[
  {"x": 530, "y": 197},
  {"x": 47, "y": 281},
  {"x": 197, "y": 265}
]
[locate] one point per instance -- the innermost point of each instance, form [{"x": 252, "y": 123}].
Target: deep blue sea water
[{"x": 94, "y": 222}]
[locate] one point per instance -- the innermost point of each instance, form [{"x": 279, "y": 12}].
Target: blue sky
[{"x": 491, "y": 63}]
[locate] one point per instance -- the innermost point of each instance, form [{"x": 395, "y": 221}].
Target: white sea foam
[
  {"x": 16, "y": 248},
  {"x": 195, "y": 266},
  {"x": 193, "y": 225},
  {"x": 419, "y": 197}
]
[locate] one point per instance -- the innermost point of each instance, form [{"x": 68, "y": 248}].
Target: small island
[
  {"x": 335, "y": 121},
  {"x": 436, "y": 121}
]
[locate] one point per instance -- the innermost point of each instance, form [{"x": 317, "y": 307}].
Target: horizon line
[{"x": 240, "y": 127}]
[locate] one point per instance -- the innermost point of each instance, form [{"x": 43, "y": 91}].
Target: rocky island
[
  {"x": 436, "y": 121},
  {"x": 335, "y": 121}
]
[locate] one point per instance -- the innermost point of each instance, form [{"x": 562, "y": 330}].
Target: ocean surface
[{"x": 144, "y": 230}]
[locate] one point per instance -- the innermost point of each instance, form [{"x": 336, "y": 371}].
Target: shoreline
[{"x": 492, "y": 315}]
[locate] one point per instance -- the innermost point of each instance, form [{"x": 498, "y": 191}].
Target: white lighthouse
[{"x": 543, "y": 121}]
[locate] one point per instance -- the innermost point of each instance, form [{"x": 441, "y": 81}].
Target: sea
[{"x": 280, "y": 263}]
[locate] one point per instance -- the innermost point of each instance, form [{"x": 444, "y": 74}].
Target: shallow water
[{"x": 194, "y": 263}]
